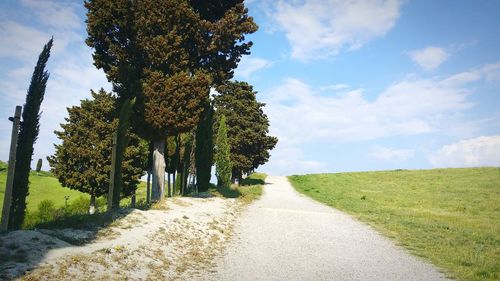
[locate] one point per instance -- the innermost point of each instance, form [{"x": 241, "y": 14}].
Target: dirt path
[
  {"x": 176, "y": 243},
  {"x": 287, "y": 236}
]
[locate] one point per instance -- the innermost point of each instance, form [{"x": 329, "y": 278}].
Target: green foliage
[
  {"x": 39, "y": 165},
  {"x": 28, "y": 133},
  {"x": 44, "y": 186},
  {"x": 204, "y": 149},
  {"x": 46, "y": 211},
  {"x": 173, "y": 103},
  {"x": 449, "y": 216},
  {"x": 74, "y": 214},
  {"x": 223, "y": 155},
  {"x": 83, "y": 160},
  {"x": 167, "y": 54},
  {"x": 161, "y": 52},
  {"x": 122, "y": 140},
  {"x": 3, "y": 166},
  {"x": 248, "y": 127}
]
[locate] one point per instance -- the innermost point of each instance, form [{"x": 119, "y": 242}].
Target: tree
[
  {"x": 248, "y": 126},
  {"x": 204, "y": 151},
  {"x": 121, "y": 144},
  {"x": 167, "y": 53},
  {"x": 38, "y": 166},
  {"x": 28, "y": 133},
  {"x": 223, "y": 155},
  {"x": 83, "y": 160}
]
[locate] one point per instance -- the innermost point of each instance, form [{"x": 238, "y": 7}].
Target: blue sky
[{"x": 349, "y": 85}]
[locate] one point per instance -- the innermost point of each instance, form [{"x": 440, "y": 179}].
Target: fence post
[
  {"x": 7, "y": 200},
  {"x": 112, "y": 174}
]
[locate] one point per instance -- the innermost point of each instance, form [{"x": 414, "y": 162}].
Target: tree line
[{"x": 162, "y": 58}]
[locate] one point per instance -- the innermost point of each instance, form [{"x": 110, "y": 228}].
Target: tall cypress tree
[
  {"x": 223, "y": 155},
  {"x": 28, "y": 133},
  {"x": 204, "y": 151},
  {"x": 248, "y": 126}
]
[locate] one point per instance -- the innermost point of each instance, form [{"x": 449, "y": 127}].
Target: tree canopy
[
  {"x": 204, "y": 149},
  {"x": 248, "y": 126},
  {"x": 83, "y": 160},
  {"x": 223, "y": 165},
  {"x": 167, "y": 54}
]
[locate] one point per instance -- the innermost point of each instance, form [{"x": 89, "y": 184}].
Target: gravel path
[{"x": 287, "y": 236}]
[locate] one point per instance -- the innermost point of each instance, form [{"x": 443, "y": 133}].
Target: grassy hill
[
  {"x": 449, "y": 216},
  {"x": 46, "y": 187},
  {"x": 43, "y": 186}
]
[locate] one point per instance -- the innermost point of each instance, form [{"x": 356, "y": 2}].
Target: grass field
[
  {"x": 449, "y": 216},
  {"x": 44, "y": 186}
]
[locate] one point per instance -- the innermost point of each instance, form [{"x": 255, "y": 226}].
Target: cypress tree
[
  {"x": 121, "y": 144},
  {"x": 223, "y": 155},
  {"x": 248, "y": 126},
  {"x": 28, "y": 133},
  {"x": 38, "y": 166},
  {"x": 167, "y": 54},
  {"x": 204, "y": 150},
  {"x": 83, "y": 160}
]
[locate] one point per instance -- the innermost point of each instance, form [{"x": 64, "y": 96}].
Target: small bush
[
  {"x": 78, "y": 206},
  {"x": 46, "y": 211}
]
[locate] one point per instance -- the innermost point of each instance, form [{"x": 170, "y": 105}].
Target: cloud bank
[
  {"x": 475, "y": 152},
  {"x": 322, "y": 28}
]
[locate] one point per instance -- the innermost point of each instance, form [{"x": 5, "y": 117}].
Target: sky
[{"x": 348, "y": 85}]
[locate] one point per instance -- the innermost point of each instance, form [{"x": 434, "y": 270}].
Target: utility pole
[
  {"x": 112, "y": 175},
  {"x": 7, "y": 200}
]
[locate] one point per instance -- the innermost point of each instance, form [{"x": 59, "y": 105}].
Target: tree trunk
[
  {"x": 92, "y": 204},
  {"x": 169, "y": 193},
  {"x": 173, "y": 183},
  {"x": 148, "y": 187},
  {"x": 132, "y": 200},
  {"x": 185, "y": 179},
  {"x": 158, "y": 188}
]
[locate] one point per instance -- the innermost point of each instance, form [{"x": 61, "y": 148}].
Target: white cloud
[
  {"x": 72, "y": 74},
  {"x": 480, "y": 151},
  {"x": 491, "y": 72},
  {"x": 21, "y": 42},
  {"x": 429, "y": 58},
  {"x": 249, "y": 65},
  {"x": 58, "y": 15},
  {"x": 335, "y": 87},
  {"x": 303, "y": 114},
  {"x": 288, "y": 159},
  {"x": 322, "y": 28},
  {"x": 391, "y": 154}
]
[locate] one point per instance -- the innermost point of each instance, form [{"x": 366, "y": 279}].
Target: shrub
[{"x": 46, "y": 211}]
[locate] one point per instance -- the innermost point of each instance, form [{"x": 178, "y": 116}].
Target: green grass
[
  {"x": 249, "y": 190},
  {"x": 448, "y": 216},
  {"x": 42, "y": 187},
  {"x": 46, "y": 187}
]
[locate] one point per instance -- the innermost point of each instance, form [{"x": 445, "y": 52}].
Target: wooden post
[
  {"x": 7, "y": 200},
  {"x": 112, "y": 174}
]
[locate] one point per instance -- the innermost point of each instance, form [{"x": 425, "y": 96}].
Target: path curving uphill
[{"x": 288, "y": 236}]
